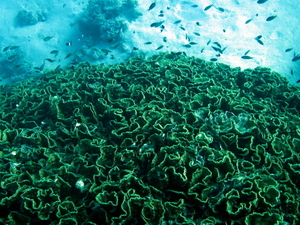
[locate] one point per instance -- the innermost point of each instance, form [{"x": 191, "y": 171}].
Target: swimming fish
[
  {"x": 6, "y": 48},
  {"x": 208, "y": 7},
  {"x": 288, "y": 49},
  {"x": 296, "y": 58},
  {"x": 164, "y": 39},
  {"x": 218, "y": 44},
  {"x": 248, "y": 21},
  {"x": 193, "y": 43},
  {"x": 196, "y": 33},
  {"x": 198, "y": 24},
  {"x": 50, "y": 60},
  {"x": 195, "y": 6},
  {"x": 177, "y": 21},
  {"x": 148, "y": 43},
  {"x": 246, "y": 52},
  {"x": 246, "y": 57},
  {"x": 261, "y": 1},
  {"x": 160, "y": 47},
  {"x": 14, "y": 47},
  {"x": 157, "y": 24},
  {"x": 151, "y": 6},
  {"x": 213, "y": 59},
  {"x": 187, "y": 46},
  {"x": 221, "y": 9},
  {"x": 271, "y": 18},
  {"x": 48, "y": 38},
  {"x": 68, "y": 55},
  {"x": 54, "y": 52}
]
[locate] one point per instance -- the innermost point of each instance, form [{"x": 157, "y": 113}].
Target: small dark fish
[
  {"x": 208, "y": 42},
  {"x": 161, "y": 15},
  {"x": 106, "y": 51},
  {"x": 64, "y": 5},
  {"x": 288, "y": 49},
  {"x": 298, "y": 81},
  {"x": 292, "y": 71},
  {"x": 177, "y": 21},
  {"x": 217, "y": 49},
  {"x": 221, "y": 9},
  {"x": 12, "y": 56},
  {"x": 271, "y": 18},
  {"x": 258, "y": 37},
  {"x": 68, "y": 55},
  {"x": 196, "y": 33},
  {"x": 193, "y": 43},
  {"x": 198, "y": 24},
  {"x": 164, "y": 39},
  {"x": 223, "y": 50},
  {"x": 217, "y": 44},
  {"x": 187, "y": 46},
  {"x": 246, "y": 57},
  {"x": 202, "y": 50},
  {"x": 48, "y": 38},
  {"x": 213, "y": 59},
  {"x": 208, "y": 7},
  {"x": 54, "y": 52},
  {"x": 157, "y": 24},
  {"x": 50, "y": 60},
  {"x": 182, "y": 28},
  {"x": 151, "y": 6},
  {"x": 187, "y": 37},
  {"x": 195, "y": 6},
  {"x": 69, "y": 43},
  {"x": 260, "y": 41},
  {"x": 148, "y": 43},
  {"x": 248, "y": 21},
  {"x": 160, "y": 47},
  {"x": 135, "y": 48},
  {"x": 261, "y": 1},
  {"x": 246, "y": 52},
  {"x": 6, "y": 48},
  {"x": 14, "y": 47},
  {"x": 296, "y": 58}
]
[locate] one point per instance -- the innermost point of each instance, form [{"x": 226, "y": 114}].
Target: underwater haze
[{"x": 149, "y": 112}]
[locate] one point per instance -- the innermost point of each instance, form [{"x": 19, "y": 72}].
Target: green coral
[{"x": 167, "y": 140}]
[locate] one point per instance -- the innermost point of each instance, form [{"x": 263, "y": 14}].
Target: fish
[
  {"x": 213, "y": 59},
  {"x": 246, "y": 52},
  {"x": 296, "y": 58},
  {"x": 261, "y": 1},
  {"x": 194, "y": 6},
  {"x": 151, "y": 6},
  {"x": 258, "y": 37},
  {"x": 198, "y": 24},
  {"x": 187, "y": 37},
  {"x": 246, "y": 57},
  {"x": 288, "y": 49},
  {"x": 5, "y": 48},
  {"x": 161, "y": 15},
  {"x": 148, "y": 43},
  {"x": 260, "y": 41},
  {"x": 48, "y": 38},
  {"x": 12, "y": 56},
  {"x": 135, "y": 48},
  {"x": 54, "y": 52},
  {"x": 187, "y": 46},
  {"x": 50, "y": 60},
  {"x": 182, "y": 28},
  {"x": 271, "y": 18},
  {"x": 217, "y": 44},
  {"x": 177, "y": 21},
  {"x": 221, "y": 9},
  {"x": 193, "y": 43},
  {"x": 196, "y": 33},
  {"x": 202, "y": 50},
  {"x": 223, "y": 49},
  {"x": 157, "y": 24},
  {"x": 164, "y": 39},
  {"x": 292, "y": 71},
  {"x": 68, "y": 55},
  {"x": 160, "y": 47},
  {"x": 14, "y": 47},
  {"x": 298, "y": 81},
  {"x": 208, "y": 7},
  {"x": 208, "y": 42},
  {"x": 106, "y": 51},
  {"x": 217, "y": 49},
  {"x": 248, "y": 21},
  {"x": 69, "y": 43}
]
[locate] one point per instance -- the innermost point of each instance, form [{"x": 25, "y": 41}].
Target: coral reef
[{"x": 166, "y": 140}]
